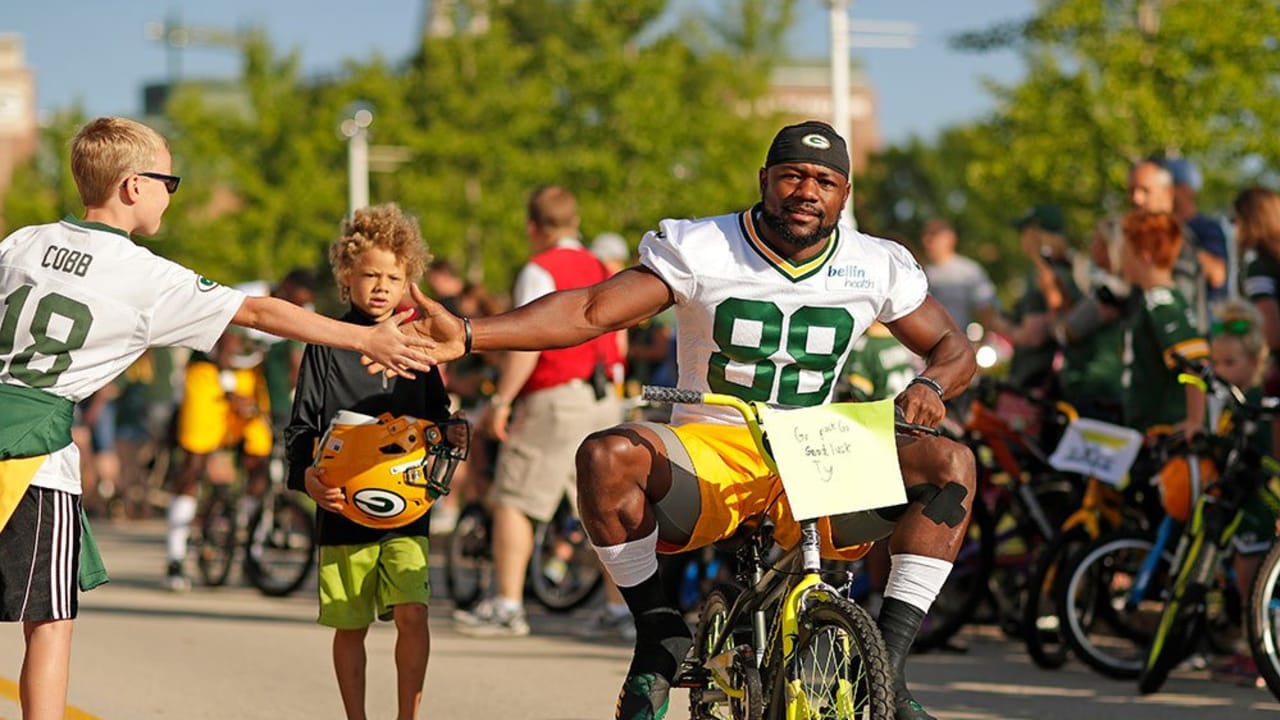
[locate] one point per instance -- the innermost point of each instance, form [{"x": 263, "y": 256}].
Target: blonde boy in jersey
[{"x": 80, "y": 303}]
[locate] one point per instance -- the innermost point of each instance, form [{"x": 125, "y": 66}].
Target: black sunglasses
[{"x": 170, "y": 181}]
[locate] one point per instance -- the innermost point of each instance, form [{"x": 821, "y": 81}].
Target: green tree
[
  {"x": 265, "y": 184},
  {"x": 42, "y": 189},
  {"x": 1108, "y": 83},
  {"x": 641, "y": 123}
]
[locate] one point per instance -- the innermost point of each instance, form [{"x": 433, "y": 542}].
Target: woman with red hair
[{"x": 1162, "y": 334}]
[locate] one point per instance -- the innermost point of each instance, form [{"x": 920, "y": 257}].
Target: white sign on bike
[
  {"x": 1096, "y": 448},
  {"x": 836, "y": 459}
]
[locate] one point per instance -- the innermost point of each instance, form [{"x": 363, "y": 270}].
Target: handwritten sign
[
  {"x": 836, "y": 459},
  {"x": 1097, "y": 449}
]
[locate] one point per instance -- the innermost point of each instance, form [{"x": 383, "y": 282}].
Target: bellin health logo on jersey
[{"x": 849, "y": 277}]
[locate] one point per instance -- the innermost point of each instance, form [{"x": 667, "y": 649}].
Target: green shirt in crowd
[
  {"x": 878, "y": 367},
  {"x": 1164, "y": 327}
]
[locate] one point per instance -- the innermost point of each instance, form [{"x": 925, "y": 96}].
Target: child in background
[
  {"x": 1238, "y": 350},
  {"x": 367, "y": 574},
  {"x": 1163, "y": 330}
]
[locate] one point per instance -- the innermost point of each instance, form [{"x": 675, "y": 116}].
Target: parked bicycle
[
  {"x": 276, "y": 544},
  {"x": 1024, "y": 500},
  {"x": 564, "y": 572},
  {"x": 1237, "y": 473}
]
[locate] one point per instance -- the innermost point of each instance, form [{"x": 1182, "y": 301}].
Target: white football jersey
[
  {"x": 749, "y": 323},
  {"x": 80, "y": 302}
]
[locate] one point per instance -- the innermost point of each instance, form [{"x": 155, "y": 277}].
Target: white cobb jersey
[
  {"x": 79, "y": 302},
  {"x": 749, "y": 323}
]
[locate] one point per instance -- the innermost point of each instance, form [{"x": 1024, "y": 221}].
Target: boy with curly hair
[{"x": 367, "y": 574}]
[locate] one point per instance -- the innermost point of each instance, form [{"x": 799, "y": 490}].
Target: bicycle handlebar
[{"x": 656, "y": 393}]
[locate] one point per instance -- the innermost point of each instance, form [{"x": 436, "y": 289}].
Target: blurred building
[
  {"x": 803, "y": 92},
  {"x": 18, "y": 130}
]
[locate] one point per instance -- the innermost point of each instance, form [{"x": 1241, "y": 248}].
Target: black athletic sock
[
  {"x": 648, "y": 595},
  {"x": 662, "y": 636},
  {"x": 899, "y": 622}
]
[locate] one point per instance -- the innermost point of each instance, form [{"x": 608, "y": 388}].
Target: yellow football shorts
[
  {"x": 207, "y": 421},
  {"x": 735, "y": 484}
]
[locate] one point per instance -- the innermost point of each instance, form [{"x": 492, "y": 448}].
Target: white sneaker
[
  {"x": 486, "y": 620},
  {"x": 175, "y": 580},
  {"x": 605, "y": 623}
]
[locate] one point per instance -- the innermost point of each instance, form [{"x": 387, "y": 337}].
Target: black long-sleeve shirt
[{"x": 331, "y": 380}]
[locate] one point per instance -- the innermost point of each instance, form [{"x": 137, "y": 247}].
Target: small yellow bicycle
[{"x": 783, "y": 643}]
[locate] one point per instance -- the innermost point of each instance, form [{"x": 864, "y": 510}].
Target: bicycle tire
[
  {"x": 1102, "y": 631},
  {"x": 562, "y": 584},
  {"x": 966, "y": 586},
  {"x": 469, "y": 557},
  {"x": 1175, "y": 640},
  {"x": 705, "y": 702},
  {"x": 279, "y": 564},
  {"x": 216, "y": 544},
  {"x": 1262, "y": 622},
  {"x": 862, "y": 689},
  {"x": 1041, "y": 630},
  {"x": 1182, "y": 620}
]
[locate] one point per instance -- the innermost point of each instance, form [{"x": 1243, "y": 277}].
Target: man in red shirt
[{"x": 545, "y": 404}]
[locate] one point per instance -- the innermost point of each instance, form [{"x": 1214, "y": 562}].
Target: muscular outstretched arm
[
  {"x": 560, "y": 319},
  {"x": 930, "y": 332}
]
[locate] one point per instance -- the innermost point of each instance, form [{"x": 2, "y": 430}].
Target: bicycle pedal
[{"x": 695, "y": 677}]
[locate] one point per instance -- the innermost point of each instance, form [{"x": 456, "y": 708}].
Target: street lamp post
[
  {"x": 839, "y": 10},
  {"x": 356, "y": 129},
  {"x": 883, "y": 34}
]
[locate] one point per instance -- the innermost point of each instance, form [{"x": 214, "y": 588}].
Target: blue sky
[{"x": 97, "y": 51}]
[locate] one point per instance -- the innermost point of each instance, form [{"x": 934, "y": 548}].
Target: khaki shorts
[
  {"x": 361, "y": 583},
  {"x": 535, "y": 467}
]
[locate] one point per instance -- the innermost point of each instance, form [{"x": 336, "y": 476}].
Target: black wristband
[
  {"x": 930, "y": 383},
  {"x": 466, "y": 336}
]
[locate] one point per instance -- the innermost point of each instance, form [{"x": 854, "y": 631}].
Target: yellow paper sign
[{"x": 836, "y": 459}]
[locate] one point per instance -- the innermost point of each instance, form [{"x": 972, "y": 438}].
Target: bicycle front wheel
[
  {"x": 1262, "y": 621},
  {"x": 282, "y": 546},
  {"x": 840, "y": 668},
  {"x": 1105, "y": 620},
  {"x": 1041, "y": 629},
  {"x": 215, "y": 546}
]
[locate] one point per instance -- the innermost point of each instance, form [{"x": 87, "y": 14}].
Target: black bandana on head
[{"x": 809, "y": 142}]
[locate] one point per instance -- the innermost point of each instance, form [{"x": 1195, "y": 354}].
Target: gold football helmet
[{"x": 391, "y": 468}]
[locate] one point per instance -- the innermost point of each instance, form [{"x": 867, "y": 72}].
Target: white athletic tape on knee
[
  {"x": 916, "y": 579},
  {"x": 630, "y": 563}
]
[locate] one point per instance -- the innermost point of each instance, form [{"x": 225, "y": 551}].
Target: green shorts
[{"x": 362, "y": 583}]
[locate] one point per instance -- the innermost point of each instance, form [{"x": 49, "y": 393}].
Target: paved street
[{"x": 143, "y": 653}]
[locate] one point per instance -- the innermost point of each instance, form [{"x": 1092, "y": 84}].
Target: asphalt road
[{"x": 141, "y": 653}]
